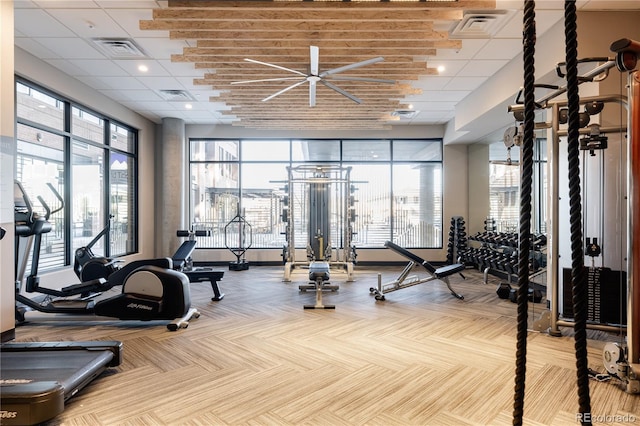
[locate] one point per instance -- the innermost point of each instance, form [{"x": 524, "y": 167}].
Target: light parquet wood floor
[{"x": 257, "y": 357}]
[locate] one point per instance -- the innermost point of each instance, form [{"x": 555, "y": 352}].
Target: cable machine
[
  {"x": 621, "y": 359},
  {"x": 319, "y": 208}
]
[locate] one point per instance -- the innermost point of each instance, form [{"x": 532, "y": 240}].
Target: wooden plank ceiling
[{"x": 225, "y": 33}]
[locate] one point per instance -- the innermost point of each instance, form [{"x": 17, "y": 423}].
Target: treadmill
[{"x": 37, "y": 378}]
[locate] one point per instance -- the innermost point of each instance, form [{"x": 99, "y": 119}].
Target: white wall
[{"x": 7, "y": 160}]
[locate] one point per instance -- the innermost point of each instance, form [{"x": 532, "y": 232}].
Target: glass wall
[
  {"x": 395, "y": 194},
  {"x": 87, "y": 159}
]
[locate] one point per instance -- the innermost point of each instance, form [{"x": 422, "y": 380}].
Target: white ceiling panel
[
  {"x": 469, "y": 49},
  {"x": 160, "y": 83},
  {"x": 70, "y": 48},
  {"x": 99, "y": 67},
  {"x": 500, "y": 48},
  {"x": 159, "y": 48},
  {"x": 465, "y": 83},
  {"x": 129, "y": 19},
  {"x": 66, "y": 67},
  {"x": 34, "y": 48},
  {"x": 38, "y": 23},
  {"x": 123, "y": 83},
  {"x": 477, "y": 68},
  {"x": 66, "y": 4},
  {"x": 89, "y": 23},
  {"x": 131, "y": 67}
]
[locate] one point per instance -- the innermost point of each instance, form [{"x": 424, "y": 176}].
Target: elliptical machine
[
  {"x": 151, "y": 289},
  {"x": 87, "y": 265}
]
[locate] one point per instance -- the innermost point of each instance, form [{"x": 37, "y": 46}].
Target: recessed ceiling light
[
  {"x": 143, "y": 68},
  {"x": 441, "y": 68},
  {"x": 188, "y": 106}
]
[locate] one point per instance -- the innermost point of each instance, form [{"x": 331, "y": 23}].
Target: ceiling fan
[{"x": 315, "y": 76}]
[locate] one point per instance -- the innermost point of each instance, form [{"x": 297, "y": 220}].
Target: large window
[
  {"x": 90, "y": 161},
  {"x": 504, "y": 187},
  {"x": 395, "y": 193}
]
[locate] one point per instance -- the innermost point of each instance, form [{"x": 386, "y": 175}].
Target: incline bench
[
  {"x": 403, "y": 281},
  {"x": 182, "y": 262}
]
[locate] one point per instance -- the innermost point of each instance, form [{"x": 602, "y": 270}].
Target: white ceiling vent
[
  {"x": 119, "y": 48},
  {"x": 479, "y": 24},
  {"x": 405, "y": 113},
  {"x": 176, "y": 95}
]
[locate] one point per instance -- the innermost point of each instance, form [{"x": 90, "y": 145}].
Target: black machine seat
[
  {"x": 183, "y": 253},
  {"x": 319, "y": 271},
  {"x": 441, "y": 272},
  {"x": 445, "y": 271}
]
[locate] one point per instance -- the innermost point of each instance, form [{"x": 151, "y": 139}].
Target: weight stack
[{"x": 606, "y": 290}]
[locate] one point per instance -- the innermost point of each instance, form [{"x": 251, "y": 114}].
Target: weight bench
[
  {"x": 182, "y": 262},
  {"x": 319, "y": 281},
  {"x": 404, "y": 280}
]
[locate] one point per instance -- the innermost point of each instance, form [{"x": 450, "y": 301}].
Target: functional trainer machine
[
  {"x": 318, "y": 207},
  {"x": 405, "y": 280}
]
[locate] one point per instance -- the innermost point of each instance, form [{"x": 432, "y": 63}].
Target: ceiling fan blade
[
  {"x": 342, "y": 92},
  {"x": 275, "y": 66},
  {"x": 352, "y": 66},
  {"x": 312, "y": 93},
  {"x": 314, "y": 54},
  {"x": 265, "y": 79},
  {"x": 284, "y": 90},
  {"x": 370, "y": 80}
]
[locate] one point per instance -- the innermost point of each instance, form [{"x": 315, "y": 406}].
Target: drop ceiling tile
[
  {"x": 34, "y": 48},
  {"x": 89, "y": 23},
  {"x": 66, "y": 67},
  {"x": 141, "y": 95},
  {"x": 468, "y": 50},
  {"x": 159, "y": 48},
  {"x": 65, "y": 4},
  {"x": 160, "y": 83},
  {"x": 24, "y": 4},
  {"x": 481, "y": 68},
  {"x": 500, "y": 49},
  {"x": 122, "y": 83},
  {"x": 182, "y": 69},
  {"x": 130, "y": 20},
  {"x": 70, "y": 48},
  {"x": 98, "y": 67},
  {"x": 38, "y": 23},
  {"x": 125, "y": 4},
  {"x": 465, "y": 83},
  {"x": 434, "y": 82},
  {"x": 131, "y": 67}
]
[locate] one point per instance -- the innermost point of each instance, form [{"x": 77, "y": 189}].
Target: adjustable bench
[
  {"x": 319, "y": 281},
  {"x": 182, "y": 262},
  {"x": 404, "y": 280}
]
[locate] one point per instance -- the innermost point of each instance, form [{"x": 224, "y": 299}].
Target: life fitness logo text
[{"x": 4, "y": 414}]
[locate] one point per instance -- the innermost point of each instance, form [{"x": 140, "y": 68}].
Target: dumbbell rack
[
  {"x": 457, "y": 240},
  {"x": 498, "y": 254}
]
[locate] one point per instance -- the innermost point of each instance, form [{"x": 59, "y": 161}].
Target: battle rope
[
  {"x": 578, "y": 281},
  {"x": 526, "y": 186}
]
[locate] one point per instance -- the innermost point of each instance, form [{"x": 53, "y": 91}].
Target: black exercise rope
[
  {"x": 578, "y": 282},
  {"x": 526, "y": 186}
]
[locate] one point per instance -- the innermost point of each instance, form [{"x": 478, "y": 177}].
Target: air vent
[
  {"x": 405, "y": 113},
  {"x": 119, "y": 48},
  {"x": 176, "y": 95},
  {"x": 479, "y": 24}
]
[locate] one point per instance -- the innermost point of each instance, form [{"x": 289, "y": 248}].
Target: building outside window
[
  {"x": 90, "y": 161},
  {"x": 395, "y": 194}
]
